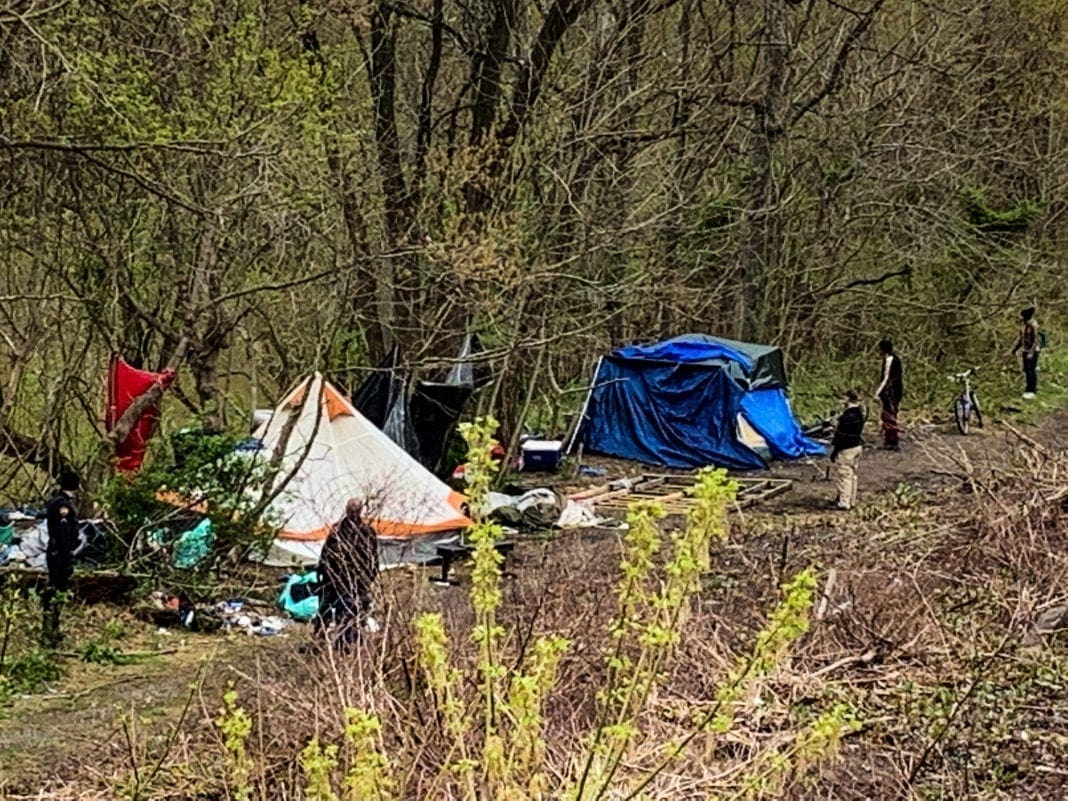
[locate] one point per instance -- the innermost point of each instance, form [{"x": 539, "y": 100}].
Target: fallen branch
[{"x": 865, "y": 658}]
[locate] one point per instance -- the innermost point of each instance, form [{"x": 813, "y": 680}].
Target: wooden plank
[
  {"x": 671, "y": 496},
  {"x": 672, "y": 478},
  {"x": 592, "y": 492},
  {"x": 772, "y": 492},
  {"x": 750, "y": 491}
]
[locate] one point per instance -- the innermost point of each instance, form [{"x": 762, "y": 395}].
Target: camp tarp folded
[{"x": 768, "y": 411}]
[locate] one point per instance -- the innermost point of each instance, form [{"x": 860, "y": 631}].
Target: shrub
[
  {"x": 494, "y": 740},
  {"x": 212, "y": 479}
]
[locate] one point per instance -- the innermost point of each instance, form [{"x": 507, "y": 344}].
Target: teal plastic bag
[
  {"x": 299, "y": 599},
  {"x": 193, "y": 546},
  {"x": 7, "y": 533}
]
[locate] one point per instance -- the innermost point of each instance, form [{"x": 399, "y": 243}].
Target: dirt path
[
  {"x": 932, "y": 457},
  {"x": 83, "y": 729}
]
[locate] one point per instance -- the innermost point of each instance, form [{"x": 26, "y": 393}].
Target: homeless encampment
[
  {"x": 325, "y": 452},
  {"x": 691, "y": 401}
]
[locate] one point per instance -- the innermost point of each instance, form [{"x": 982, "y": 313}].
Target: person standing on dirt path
[
  {"x": 891, "y": 389},
  {"x": 62, "y": 522},
  {"x": 846, "y": 447},
  {"x": 1030, "y": 345},
  {"x": 348, "y": 567}
]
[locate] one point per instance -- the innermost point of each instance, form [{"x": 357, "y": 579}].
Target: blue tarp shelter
[{"x": 682, "y": 402}]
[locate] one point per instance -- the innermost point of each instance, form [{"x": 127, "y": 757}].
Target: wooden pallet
[{"x": 670, "y": 492}]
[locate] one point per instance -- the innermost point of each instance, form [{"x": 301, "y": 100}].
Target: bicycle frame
[
  {"x": 966, "y": 393},
  {"x": 965, "y": 404}
]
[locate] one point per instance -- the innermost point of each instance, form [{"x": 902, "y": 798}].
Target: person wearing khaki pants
[
  {"x": 846, "y": 448},
  {"x": 847, "y": 461}
]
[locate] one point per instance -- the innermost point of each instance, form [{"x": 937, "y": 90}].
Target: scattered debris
[
  {"x": 540, "y": 508},
  {"x": 174, "y": 611}
]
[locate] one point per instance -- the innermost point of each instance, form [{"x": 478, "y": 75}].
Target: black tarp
[
  {"x": 435, "y": 410},
  {"x": 383, "y": 399},
  {"x": 422, "y": 423},
  {"x": 374, "y": 397}
]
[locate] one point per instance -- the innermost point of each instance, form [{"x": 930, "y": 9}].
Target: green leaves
[
  {"x": 235, "y": 726},
  {"x": 1014, "y": 219}
]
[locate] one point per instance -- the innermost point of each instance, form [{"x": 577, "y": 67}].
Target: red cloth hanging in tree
[{"x": 125, "y": 385}]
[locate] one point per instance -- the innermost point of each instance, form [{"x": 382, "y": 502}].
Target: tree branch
[
  {"x": 834, "y": 80},
  {"x": 124, "y": 425},
  {"x": 906, "y": 270}
]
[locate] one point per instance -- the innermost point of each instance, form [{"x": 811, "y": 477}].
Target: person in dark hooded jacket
[
  {"x": 348, "y": 567},
  {"x": 62, "y": 521}
]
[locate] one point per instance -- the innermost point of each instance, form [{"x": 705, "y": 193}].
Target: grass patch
[
  {"x": 816, "y": 385},
  {"x": 28, "y": 673}
]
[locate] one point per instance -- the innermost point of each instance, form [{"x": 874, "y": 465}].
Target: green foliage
[
  {"x": 235, "y": 727},
  {"x": 102, "y": 650},
  {"x": 980, "y": 214},
  {"x": 29, "y": 672},
  {"x": 481, "y": 469},
  {"x": 21, "y": 670},
  {"x": 318, "y": 763},
  {"x": 100, "y": 654},
  {"x": 368, "y": 776},
  {"x": 240, "y": 82},
  {"x": 444, "y": 682},
  {"x": 787, "y": 622},
  {"x": 907, "y": 495},
  {"x": 207, "y": 474},
  {"x": 818, "y": 742}
]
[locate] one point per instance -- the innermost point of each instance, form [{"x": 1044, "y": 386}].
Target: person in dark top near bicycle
[
  {"x": 1029, "y": 344},
  {"x": 62, "y": 521},
  {"x": 846, "y": 447},
  {"x": 891, "y": 388}
]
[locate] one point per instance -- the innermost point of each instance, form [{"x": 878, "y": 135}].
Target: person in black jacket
[
  {"x": 347, "y": 570},
  {"x": 889, "y": 394},
  {"x": 1030, "y": 344},
  {"x": 62, "y": 522},
  {"x": 846, "y": 447}
]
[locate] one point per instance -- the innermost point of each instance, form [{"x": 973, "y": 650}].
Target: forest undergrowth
[{"x": 931, "y": 661}]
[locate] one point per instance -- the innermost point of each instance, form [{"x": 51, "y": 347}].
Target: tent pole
[{"x": 585, "y": 406}]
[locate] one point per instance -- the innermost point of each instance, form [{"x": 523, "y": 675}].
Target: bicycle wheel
[
  {"x": 975, "y": 410},
  {"x": 960, "y": 414}
]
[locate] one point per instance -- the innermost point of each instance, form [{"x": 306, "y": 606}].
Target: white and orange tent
[{"x": 326, "y": 452}]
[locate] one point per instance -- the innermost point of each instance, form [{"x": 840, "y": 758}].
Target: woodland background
[{"x": 248, "y": 191}]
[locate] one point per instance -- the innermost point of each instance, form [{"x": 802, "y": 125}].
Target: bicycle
[
  {"x": 966, "y": 404},
  {"x": 822, "y": 427}
]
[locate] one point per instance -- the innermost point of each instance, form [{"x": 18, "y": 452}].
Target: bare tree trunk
[
  {"x": 761, "y": 243},
  {"x": 382, "y": 76}
]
